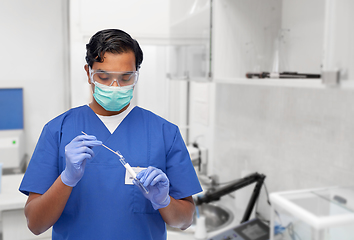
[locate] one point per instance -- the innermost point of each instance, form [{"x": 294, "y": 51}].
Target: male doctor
[{"x": 80, "y": 188}]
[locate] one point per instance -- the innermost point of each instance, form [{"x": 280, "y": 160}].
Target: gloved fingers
[
  {"x": 78, "y": 155},
  {"x": 80, "y": 164},
  {"x": 149, "y": 170},
  {"x": 84, "y": 138},
  {"x": 91, "y": 143},
  {"x": 146, "y": 173},
  {"x": 160, "y": 178},
  {"x": 81, "y": 157},
  {"x": 151, "y": 176},
  {"x": 140, "y": 174},
  {"x": 78, "y": 150},
  {"x": 88, "y": 151}
]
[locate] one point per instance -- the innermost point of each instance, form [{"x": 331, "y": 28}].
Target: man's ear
[{"x": 86, "y": 67}]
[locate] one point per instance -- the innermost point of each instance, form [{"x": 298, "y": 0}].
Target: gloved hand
[
  {"x": 158, "y": 185},
  {"x": 76, "y": 154}
]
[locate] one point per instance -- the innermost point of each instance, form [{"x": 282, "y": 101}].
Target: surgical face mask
[{"x": 112, "y": 98}]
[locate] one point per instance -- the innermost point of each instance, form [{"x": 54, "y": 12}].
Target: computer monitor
[
  {"x": 12, "y": 151},
  {"x": 11, "y": 108}
]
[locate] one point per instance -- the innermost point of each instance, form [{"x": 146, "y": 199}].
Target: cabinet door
[
  {"x": 189, "y": 53},
  {"x": 14, "y": 227},
  {"x": 189, "y": 62},
  {"x": 190, "y": 19},
  {"x": 339, "y": 38}
]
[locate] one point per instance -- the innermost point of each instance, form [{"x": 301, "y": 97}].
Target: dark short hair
[{"x": 113, "y": 41}]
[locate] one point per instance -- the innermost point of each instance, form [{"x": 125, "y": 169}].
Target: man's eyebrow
[
  {"x": 124, "y": 72},
  {"x": 101, "y": 70}
]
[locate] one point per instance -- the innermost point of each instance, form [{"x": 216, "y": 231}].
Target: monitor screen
[{"x": 11, "y": 108}]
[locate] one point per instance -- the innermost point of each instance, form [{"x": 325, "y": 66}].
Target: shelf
[
  {"x": 309, "y": 83},
  {"x": 297, "y": 83},
  {"x": 266, "y": 35},
  {"x": 201, "y": 79}
]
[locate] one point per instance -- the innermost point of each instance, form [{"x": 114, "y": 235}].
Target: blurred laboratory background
[{"x": 212, "y": 67}]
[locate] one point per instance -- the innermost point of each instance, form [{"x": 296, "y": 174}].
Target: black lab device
[{"x": 253, "y": 229}]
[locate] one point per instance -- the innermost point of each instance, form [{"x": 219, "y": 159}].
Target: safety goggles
[{"x": 108, "y": 78}]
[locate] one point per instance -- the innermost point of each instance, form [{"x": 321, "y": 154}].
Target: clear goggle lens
[{"x": 108, "y": 78}]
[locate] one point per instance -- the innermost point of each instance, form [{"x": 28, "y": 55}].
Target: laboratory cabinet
[
  {"x": 313, "y": 214},
  {"x": 12, "y": 219},
  {"x": 189, "y": 63},
  {"x": 281, "y": 36},
  {"x": 190, "y": 40},
  {"x": 220, "y": 41}
]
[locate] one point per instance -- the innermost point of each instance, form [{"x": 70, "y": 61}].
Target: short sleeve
[
  {"x": 43, "y": 167},
  {"x": 180, "y": 170}
]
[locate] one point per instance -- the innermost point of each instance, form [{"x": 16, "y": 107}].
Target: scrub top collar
[
  {"x": 98, "y": 128},
  {"x": 112, "y": 122}
]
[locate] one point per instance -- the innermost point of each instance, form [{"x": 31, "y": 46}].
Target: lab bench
[{"x": 12, "y": 202}]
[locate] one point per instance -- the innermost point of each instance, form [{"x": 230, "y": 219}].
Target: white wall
[
  {"x": 299, "y": 138},
  {"x": 34, "y": 57}
]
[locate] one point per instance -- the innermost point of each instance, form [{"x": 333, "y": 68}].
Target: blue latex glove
[
  {"x": 76, "y": 154},
  {"x": 158, "y": 185}
]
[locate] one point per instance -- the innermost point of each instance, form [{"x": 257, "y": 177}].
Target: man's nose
[{"x": 115, "y": 83}]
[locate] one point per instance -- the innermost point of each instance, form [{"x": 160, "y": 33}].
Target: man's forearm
[
  {"x": 179, "y": 213},
  {"x": 42, "y": 211}
]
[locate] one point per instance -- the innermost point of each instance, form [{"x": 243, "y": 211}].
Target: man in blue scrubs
[{"x": 80, "y": 188}]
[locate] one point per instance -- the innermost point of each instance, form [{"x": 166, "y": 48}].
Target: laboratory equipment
[
  {"x": 199, "y": 157},
  {"x": 313, "y": 214},
  {"x": 253, "y": 229},
  {"x": 0, "y": 175},
  {"x": 127, "y": 166},
  {"x": 12, "y": 147},
  {"x": 282, "y": 75},
  {"x": 200, "y": 230},
  {"x": 218, "y": 216},
  {"x": 215, "y": 194}
]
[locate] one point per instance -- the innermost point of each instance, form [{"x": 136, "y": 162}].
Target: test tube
[
  {"x": 131, "y": 171},
  {"x": 127, "y": 166}
]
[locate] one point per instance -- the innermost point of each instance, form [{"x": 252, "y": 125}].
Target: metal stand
[{"x": 215, "y": 195}]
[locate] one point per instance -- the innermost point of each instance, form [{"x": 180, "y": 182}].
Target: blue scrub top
[{"x": 101, "y": 205}]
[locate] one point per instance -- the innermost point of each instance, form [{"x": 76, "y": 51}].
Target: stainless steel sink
[{"x": 216, "y": 217}]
